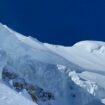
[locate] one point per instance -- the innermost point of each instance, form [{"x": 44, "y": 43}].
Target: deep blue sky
[{"x": 56, "y": 21}]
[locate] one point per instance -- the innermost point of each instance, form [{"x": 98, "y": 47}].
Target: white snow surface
[
  {"x": 75, "y": 74},
  {"x": 10, "y": 97},
  {"x": 87, "y": 54}
]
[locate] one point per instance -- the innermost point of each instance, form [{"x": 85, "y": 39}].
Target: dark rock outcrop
[{"x": 18, "y": 84}]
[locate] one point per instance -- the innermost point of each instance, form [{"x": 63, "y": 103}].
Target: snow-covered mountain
[{"x": 50, "y": 74}]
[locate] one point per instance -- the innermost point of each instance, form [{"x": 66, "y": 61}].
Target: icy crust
[{"x": 91, "y": 86}]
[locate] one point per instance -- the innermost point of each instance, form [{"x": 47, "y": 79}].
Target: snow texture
[{"x": 75, "y": 75}]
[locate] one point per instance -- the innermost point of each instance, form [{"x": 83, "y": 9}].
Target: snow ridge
[{"x": 67, "y": 72}]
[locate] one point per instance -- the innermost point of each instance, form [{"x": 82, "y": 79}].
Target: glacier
[{"x": 46, "y": 74}]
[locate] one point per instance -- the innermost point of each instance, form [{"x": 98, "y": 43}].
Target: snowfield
[
  {"x": 48, "y": 74},
  {"x": 87, "y": 54}
]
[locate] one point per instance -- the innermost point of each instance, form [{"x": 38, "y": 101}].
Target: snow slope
[
  {"x": 10, "y": 97},
  {"x": 22, "y": 45},
  {"x": 51, "y": 68},
  {"x": 87, "y": 54}
]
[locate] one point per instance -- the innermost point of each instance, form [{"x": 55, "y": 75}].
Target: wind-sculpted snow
[
  {"x": 90, "y": 45},
  {"x": 87, "y": 54},
  {"x": 42, "y": 71}
]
